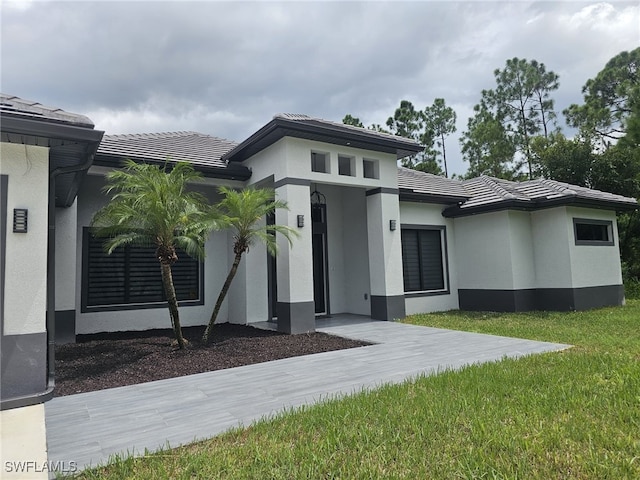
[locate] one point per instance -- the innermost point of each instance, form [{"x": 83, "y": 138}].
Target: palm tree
[
  {"x": 152, "y": 207},
  {"x": 242, "y": 211}
]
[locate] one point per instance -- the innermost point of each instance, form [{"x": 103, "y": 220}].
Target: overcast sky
[{"x": 226, "y": 68}]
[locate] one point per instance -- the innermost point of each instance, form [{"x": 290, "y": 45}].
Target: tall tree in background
[
  {"x": 487, "y": 147},
  {"x": 351, "y": 120},
  {"x": 152, "y": 207},
  {"x": 521, "y": 103},
  {"x": 440, "y": 122},
  {"x": 609, "y": 100}
]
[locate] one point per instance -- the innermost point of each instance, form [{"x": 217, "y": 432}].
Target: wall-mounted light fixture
[
  {"x": 392, "y": 225},
  {"x": 300, "y": 221},
  {"x": 20, "y": 220}
]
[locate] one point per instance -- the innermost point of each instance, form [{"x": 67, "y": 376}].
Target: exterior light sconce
[
  {"x": 392, "y": 225},
  {"x": 20, "y": 220},
  {"x": 300, "y": 221}
]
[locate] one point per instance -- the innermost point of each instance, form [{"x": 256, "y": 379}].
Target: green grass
[{"x": 572, "y": 414}]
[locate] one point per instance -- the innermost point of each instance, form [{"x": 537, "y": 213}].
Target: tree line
[{"x": 514, "y": 134}]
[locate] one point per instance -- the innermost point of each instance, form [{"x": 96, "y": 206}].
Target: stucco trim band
[{"x": 387, "y": 307}]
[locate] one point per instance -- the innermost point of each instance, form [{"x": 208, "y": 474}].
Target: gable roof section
[
  {"x": 425, "y": 187},
  {"x": 204, "y": 152},
  {"x": 70, "y": 137},
  {"x": 490, "y": 194},
  {"x": 310, "y": 128}
]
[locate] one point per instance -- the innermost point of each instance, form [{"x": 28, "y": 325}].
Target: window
[
  {"x": 593, "y": 232},
  {"x": 346, "y": 165},
  {"x": 319, "y": 162},
  {"x": 370, "y": 168},
  {"x": 130, "y": 277},
  {"x": 424, "y": 259}
]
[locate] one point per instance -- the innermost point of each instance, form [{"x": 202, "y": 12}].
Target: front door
[{"x": 319, "y": 245}]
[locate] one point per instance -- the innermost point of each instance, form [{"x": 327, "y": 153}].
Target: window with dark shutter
[
  {"x": 422, "y": 259},
  {"x": 130, "y": 277}
]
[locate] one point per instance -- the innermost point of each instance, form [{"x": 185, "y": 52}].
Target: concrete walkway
[{"x": 87, "y": 428}]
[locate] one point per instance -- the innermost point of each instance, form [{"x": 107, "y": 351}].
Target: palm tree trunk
[
  {"x": 206, "y": 338},
  {"x": 172, "y": 301}
]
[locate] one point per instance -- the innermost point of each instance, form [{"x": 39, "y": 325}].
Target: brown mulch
[{"x": 110, "y": 360}]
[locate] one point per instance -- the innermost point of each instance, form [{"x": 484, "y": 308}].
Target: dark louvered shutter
[
  {"x": 410, "y": 260},
  {"x": 422, "y": 265},
  {"x": 131, "y": 275},
  {"x": 431, "y": 260}
]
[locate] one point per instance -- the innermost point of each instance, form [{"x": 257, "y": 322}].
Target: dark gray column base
[
  {"x": 554, "y": 299},
  {"x": 65, "y": 323},
  {"x": 24, "y": 365},
  {"x": 387, "y": 308},
  {"x": 295, "y": 318}
]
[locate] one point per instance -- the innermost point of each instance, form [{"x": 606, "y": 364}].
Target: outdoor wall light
[
  {"x": 20, "y": 220},
  {"x": 300, "y": 221},
  {"x": 392, "y": 225}
]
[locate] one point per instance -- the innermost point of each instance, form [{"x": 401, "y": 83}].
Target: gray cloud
[{"x": 227, "y": 68}]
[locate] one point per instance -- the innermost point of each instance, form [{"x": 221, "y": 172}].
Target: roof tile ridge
[
  {"x": 496, "y": 187},
  {"x": 560, "y": 187}
]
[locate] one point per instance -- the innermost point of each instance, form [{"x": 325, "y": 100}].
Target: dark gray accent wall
[
  {"x": 295, "y": 318},
  {"x": 24, "y": 365},
  {"x": 554, "y": 299},
  {"x": 65, "y": 325},
  {"x": 375, "y": 191},
  {"x": 292, "y": 181},
  {"x": 387, "y": 307}
]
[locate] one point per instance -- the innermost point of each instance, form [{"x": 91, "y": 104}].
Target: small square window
[
  {"x": 370, "y": 168},
  {"x": 319, "y": 162},
  {"x": 593, "y": 232},
  {"x": 346, "y": 165}
]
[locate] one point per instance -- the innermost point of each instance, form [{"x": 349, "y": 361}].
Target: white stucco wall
[
  {"x": 483, "y": 246},
  {"x": 25, "y": 300},
  {"x": 355, "y": 252},
  {"x": 431, "y": 214},
  {"x": 66, "y": 248},
  {"x": 385, "y": 245},
  {"x": 521, "y": 250},
  {"x": 216, "y": 266},
  {"x": 552, "y": 237},
  {"x": 291, "y": 158}
]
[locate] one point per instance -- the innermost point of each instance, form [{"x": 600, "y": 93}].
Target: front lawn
[{"x": 572, "y": 414}]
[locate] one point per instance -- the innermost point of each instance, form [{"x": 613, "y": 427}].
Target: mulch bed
[{"x": 111, "y": 360}]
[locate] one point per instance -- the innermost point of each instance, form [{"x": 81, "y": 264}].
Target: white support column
[
  {"x": 66, "y": 252},
  {"x": 385, "y": 254},
  {"x": 295, "y": 306}
]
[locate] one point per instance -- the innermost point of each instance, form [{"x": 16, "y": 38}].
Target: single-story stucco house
[{"x": 375, "y": 239}]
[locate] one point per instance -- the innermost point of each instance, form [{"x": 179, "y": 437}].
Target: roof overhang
[
  {"x": 69, "y": 146},
  {"x": 280, "y": 127},
  {"x": 407, "y": 195},
  {"x": 538, "y": 204},
  {"x": 230, "y": 172}
]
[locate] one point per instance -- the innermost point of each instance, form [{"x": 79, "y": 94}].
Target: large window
[
  {"x": 424, "y": 259},
  {"x": 593, "y": 232},
  {"x": 130, "y": 278}
]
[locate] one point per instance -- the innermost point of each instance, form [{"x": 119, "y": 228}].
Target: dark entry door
[
  {"x": 273, "y": 278},
  {"x": 319, "y": 245}
]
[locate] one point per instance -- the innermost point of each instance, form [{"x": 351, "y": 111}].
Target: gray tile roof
[
  {"x": 19, "y": 107},
  {"x": 301, "y": 118},
  {"x": 197, "y": 148},
  {"x": 488, "y": 193},
  {"x": 316, "y": 129},
  {"x": 417, "y": 183}
]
